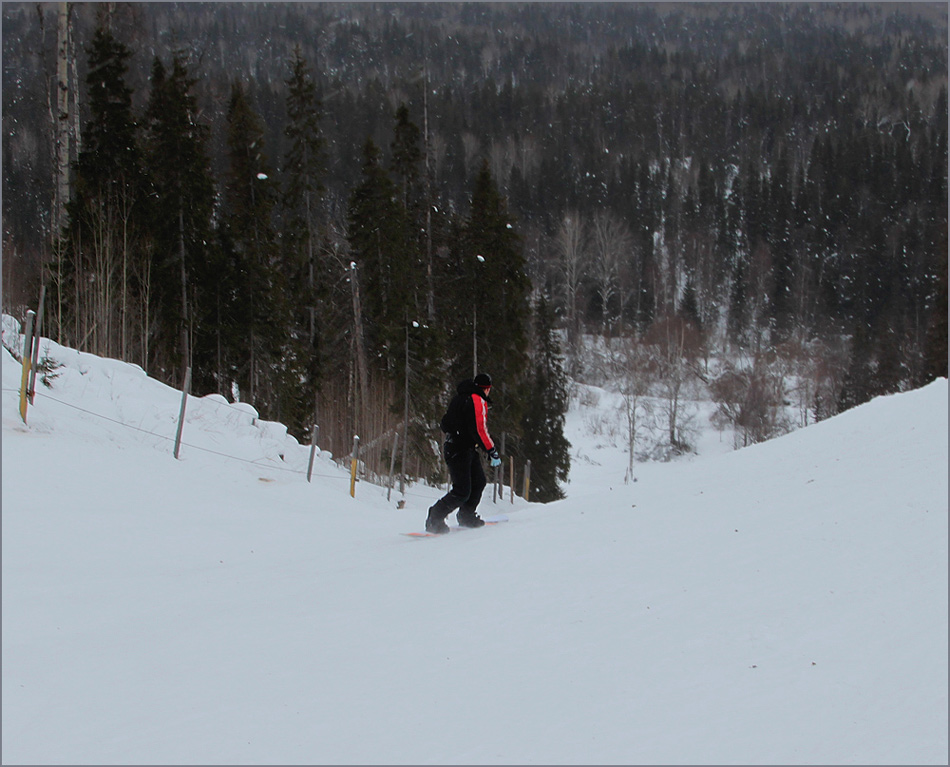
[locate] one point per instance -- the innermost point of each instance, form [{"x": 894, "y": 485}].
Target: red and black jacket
[{"x": 466, "y": 420}]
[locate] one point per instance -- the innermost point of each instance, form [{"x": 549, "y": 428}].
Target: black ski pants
[{"x": 468, "y": 482}]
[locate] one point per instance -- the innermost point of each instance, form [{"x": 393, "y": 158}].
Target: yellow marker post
[
  {"x": 27, "y": 358},
  {"x": 353, "y": 461}
]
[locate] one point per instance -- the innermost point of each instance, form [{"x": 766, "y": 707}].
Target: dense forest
[{"x": 336, "y": 211}]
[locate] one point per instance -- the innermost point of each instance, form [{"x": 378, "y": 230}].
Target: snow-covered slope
[{"x": 784, "y": 604}]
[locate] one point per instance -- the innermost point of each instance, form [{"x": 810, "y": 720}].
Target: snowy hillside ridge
[
  {"x": 125, "y": 394},
  {"x": 113, "y": 393},
  {"x": 782, "y": 604},
  {"x": 605, "y": 411},
  {"x": 208, "y": 419}
]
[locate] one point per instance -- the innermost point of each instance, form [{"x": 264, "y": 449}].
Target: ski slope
[{"x": 783, "y": 604}]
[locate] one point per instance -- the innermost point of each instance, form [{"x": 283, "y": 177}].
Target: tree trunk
[
  {"x": 362, "y": 383},
  {"x": 430, "y": 279},
  {"x": 185, "y": 350},
  {"x": 61, "y": 121}
]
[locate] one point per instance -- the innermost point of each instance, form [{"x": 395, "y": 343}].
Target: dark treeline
[{"x": 299, "y": 199}]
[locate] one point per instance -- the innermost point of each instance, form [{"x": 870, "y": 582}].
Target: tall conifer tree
[
  {"x": 304, "y": 171},
  {"x": 425, "y": 338},
  {"x": 256, "y": 327},
  {"x": 182, "y": 192},
  {"x": 545, "y": 408},
  {"x": 406, "y": 159},
  {"x": 380, "y": 242},
  {"x": 107, "y": 210},
  {"x": 491, "y": 309}
]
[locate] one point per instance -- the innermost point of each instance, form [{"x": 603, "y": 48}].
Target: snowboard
[{"x": 458, "y": 529}]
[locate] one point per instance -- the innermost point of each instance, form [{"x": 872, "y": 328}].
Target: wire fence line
[
  {"x": 218, "y": 402},
  {"x": 255, "y": 462},
  {"x": 247, "y": 410}
]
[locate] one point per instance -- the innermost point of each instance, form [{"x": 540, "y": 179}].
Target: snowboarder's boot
[
  {"x": 470, "y": 519},
  {"x": 435, "y": 522}
]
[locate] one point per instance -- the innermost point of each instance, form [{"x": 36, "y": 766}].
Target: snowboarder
[{"x": 466, "y": 430}]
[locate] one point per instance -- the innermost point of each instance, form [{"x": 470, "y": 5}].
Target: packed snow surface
[{"x": 783, "y": 604}]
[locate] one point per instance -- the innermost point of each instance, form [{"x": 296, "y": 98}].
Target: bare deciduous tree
[
  {"x": 570, "y": 243},
  {"x": 751, "y": 399},
  {"x": 528, "y": 154},
  {"x": 611, "y": 244},
  {"x": 634, "y": 378},
  {"x": 674, "y": 347}
]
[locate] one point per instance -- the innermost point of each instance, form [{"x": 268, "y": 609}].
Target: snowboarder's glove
[{"x": 493, "y": 457}]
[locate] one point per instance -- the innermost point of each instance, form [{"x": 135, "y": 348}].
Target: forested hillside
[{"x": 335, "y": 211}]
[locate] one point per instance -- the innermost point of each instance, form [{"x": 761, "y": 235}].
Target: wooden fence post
[
  {"x": 499, "y": 484},
  {"x": 527, "y": 479},
  {"x": 181, "y": 413}
]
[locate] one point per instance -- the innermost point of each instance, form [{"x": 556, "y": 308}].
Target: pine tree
[
  {"x": 305, "y": 168},
  {"x": 936, "y": 339},
  {"x": 110, "y": 153},
  {"x": 255, "y": 323},
  {"x": 380, "y": 243},
  {"x": 738, "y": 320},
  {"x": 857, "y": 386},
  {"x": 489, "y": 313},
  {"x": 406, "y": 159},
  {"x": 104, "y": 267},
  {"x": 425, "y": 336},
  {"x": 182, "y": 191},
  {"x": 544, "y": 443},
  {"x": 645, "y": 218},
  {"x": 779, "y": 235},
  {"x": 689, "y": 307}
]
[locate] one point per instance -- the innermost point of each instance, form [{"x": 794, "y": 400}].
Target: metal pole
[
  {"x": 27, "y": 352},
  {"x": 498, "y": 489},
  {"x": 392, "y": 465},
  {"x": 313, "y": 450},
  {"x": 181, "y": 413}
]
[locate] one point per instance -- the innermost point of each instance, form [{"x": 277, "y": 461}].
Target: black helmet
[{"x": 483, "y": 380}]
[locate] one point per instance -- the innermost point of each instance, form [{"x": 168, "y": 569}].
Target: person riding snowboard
[{"x": 466, "y": 430}]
